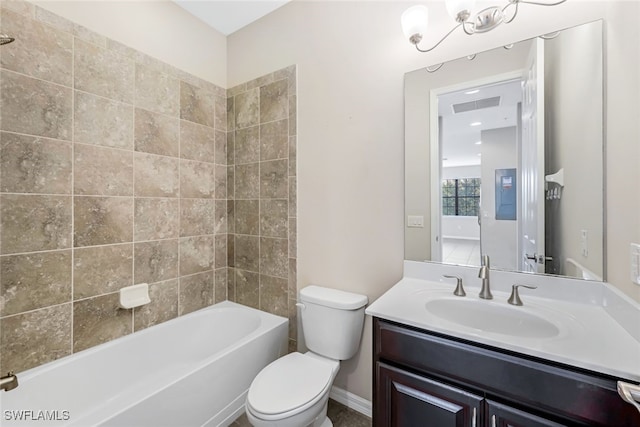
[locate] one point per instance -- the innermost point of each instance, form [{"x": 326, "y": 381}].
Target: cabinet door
[
  {"x": 499, "y": 415},
  {"x": 404, "y": 399}
]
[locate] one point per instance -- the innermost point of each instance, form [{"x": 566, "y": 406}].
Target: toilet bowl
[{"x": 294, "y": 390}]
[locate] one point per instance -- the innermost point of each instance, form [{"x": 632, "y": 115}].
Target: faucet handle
[
  {"x": 514, "y": 299},
  {"x": 459, "y": 289}
]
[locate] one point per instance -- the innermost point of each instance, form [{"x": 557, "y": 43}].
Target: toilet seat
[{"x": 288, "y": 386}]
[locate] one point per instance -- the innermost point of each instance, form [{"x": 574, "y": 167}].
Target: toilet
[{"x": 294, "y": 390}]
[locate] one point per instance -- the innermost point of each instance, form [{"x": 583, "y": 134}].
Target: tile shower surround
[{"x": 118, "y": 169}]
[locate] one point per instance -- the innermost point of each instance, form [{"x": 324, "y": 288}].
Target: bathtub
[{"x": 191, "y": 371}]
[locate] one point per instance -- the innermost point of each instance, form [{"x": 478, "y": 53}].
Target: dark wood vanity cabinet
[{"x": 424, "y": 379}]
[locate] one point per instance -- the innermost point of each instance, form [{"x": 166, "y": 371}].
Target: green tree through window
[{"x": 461, "y": 196}]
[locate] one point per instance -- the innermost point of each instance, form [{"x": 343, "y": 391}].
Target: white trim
[{"x": 352, "y": 401}]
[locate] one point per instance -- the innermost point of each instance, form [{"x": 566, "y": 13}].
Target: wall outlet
[
  {"x": 416, "y": 221},
  {"x": 635, "y": 263},
  {"x": 584, "y": 243}
]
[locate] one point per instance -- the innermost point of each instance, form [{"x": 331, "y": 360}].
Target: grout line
[{"x": 133, "y": 190}]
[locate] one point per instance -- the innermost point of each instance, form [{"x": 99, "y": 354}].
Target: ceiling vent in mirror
[{"x": 478, "y": 104}]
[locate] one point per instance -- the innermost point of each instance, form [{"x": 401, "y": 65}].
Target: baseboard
[{"x": 351, "y": 400}]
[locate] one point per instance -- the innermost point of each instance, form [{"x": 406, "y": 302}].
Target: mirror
[{"x": 504, "y": 157}]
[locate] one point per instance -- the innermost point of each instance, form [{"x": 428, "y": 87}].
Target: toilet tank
[{"x": 332, "y": 321}]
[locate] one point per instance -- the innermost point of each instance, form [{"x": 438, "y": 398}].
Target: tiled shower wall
[
  {"x": 262, "y": 185},
  {"x": 113, "y": 172}
]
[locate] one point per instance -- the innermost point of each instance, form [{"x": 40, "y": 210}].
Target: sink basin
[{"x": 491, "y": 317}]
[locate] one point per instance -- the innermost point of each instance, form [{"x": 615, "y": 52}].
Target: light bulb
[
  {"x": 414, "y": 23},
  {"x": 460, "y": 10}
]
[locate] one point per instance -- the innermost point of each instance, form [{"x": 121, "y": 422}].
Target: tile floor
[
  {"x": 461, "y": 251},
  {"x": 340, "y": 415}
]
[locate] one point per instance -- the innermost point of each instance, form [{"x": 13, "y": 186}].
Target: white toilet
[{"x": 294, "y": 390}]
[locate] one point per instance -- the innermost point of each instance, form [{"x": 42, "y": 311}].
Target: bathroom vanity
[{"x": 443, "y": 368}]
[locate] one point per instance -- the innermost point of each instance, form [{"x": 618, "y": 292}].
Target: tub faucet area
[
  {"x": 9, "y": 382},
  {"x": 485, "y": 292}
]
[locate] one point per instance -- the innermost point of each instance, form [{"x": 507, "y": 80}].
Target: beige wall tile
[
  {"x": 156, "y": 91},
  {"x": 231, "y": 253},
  {"x": 273, "y": 295},
  {"x": 34, "y": 223},
  {"x": 197, "y": 179},
  {"x": 32, "y": 281},
  {"x": 101, "y": 121},
  {"x": 273, "y": 257},
  {"x": 155, "y": 261},
  {"x": 98, "y": 320},
  {"x": 34, "y": 165},
  {"x": 247, "y": 288},
  {"x": 220, "y": 147},
  {"x": 34, "y": 107},
  {"x": 101, "y": 270},
  {"x": 247, "y": 108},
  {"x": 293, "y": 155},
  {"x": 231, "y": 182},
  {"x": 247, "y": 217},
  {"x": 274, "y": 140},
  {"x": 102, "y": 220},
  {"x": 34, "y": 338},
  {"x": 196, "y": 217},
  {"x": 231, "y": 285},
  {"x": 156, "y": 219},
  {"x": 39, "y": 50},
  {"x": 260, "y": 81},
  {"x": 196, "y": 254},
  {"x": 231, "y": 116},
  {"x": 231, "y": 138},
  {"x": 274, "y": 101},
  {"x": 156, "y": 176},
  {"x": 247, "y": 253},
  {"x": 103, "y": 72},
  {"x": 197, "y": 104},
  {"x": 196, "y": 292},
  {"x": 220, "y": 251},
  {"x": 220, "y": 117},
  {"x": 197, "y": 142},
  {"x": 156, "y": 133},
  {"x": 288, "y": 73},
  {"x": 293, "y": 115},
  {"x": 220, "y": 284},
  {"x": 293, "y": 237},
  {"x": 221, "y": 218},
  {"x": 19, "y": 6},
  {"x": 247, "y": 145},
  {"x": 247, "y": 181},
  {"x": 273, "y": 179},
  {"x": 273, "y": 218},
  {"x": 293, "y": 197},
  {"x": 163, "y": 305},
  {"x": 220, "y": 182},
  {"x": 102, "y": 171},
  {"x": 293, "y": 272}
]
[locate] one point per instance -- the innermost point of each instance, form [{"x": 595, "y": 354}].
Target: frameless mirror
[{"x": 504, "y": 157}]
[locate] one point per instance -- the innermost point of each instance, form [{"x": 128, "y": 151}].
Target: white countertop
[{"x": 590, "y": 338}]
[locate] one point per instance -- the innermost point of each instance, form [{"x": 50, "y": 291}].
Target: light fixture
[
  {"x": 471, "y": 92},
  {"x": 414, "y": 19}
]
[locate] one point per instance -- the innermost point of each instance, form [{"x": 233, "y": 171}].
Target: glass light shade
[
  {"x": 454, "y": 7},
  {"x": 414, "y": 20}
]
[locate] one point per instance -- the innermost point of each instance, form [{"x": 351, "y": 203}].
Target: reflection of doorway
[{"x": 477, "y": 134}]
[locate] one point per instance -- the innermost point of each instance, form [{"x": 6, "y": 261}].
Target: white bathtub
[{"x": 191, "y": 371}]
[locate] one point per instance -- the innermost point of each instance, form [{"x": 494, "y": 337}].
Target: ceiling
[
  {"x": 460, "y": 139},
  {"x": 228, "y": 16}
]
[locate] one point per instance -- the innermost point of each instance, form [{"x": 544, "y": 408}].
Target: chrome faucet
[
  {"x": 8, "y": 382},
  {"x": 485, "y": 292}
]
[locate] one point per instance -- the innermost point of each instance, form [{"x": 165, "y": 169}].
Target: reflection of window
[{"x": 461, "y": 196}]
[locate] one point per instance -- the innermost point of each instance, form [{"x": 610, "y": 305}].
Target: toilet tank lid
[{"x": 333, "y": 298}]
